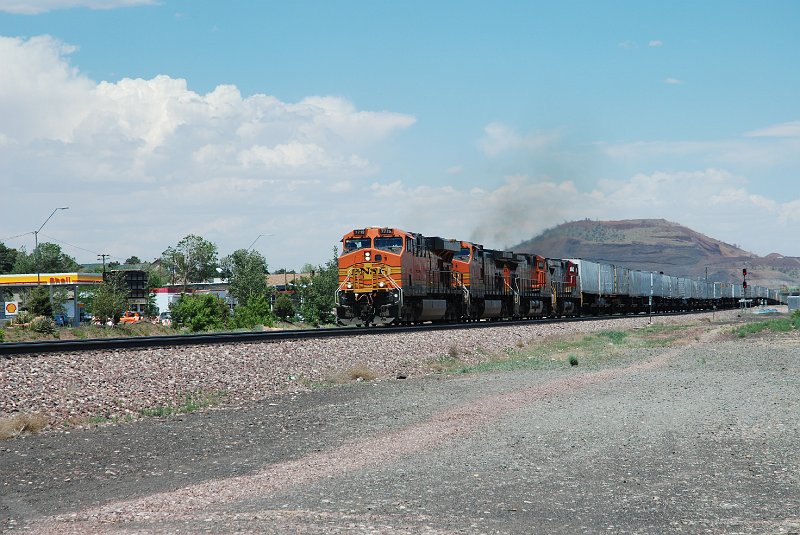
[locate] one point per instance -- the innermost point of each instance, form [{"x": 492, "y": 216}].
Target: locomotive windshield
[
  {"x": 354, "y": 244},
  {"x": 391, "y": 244},
  {"x": 463, "y": 255}
]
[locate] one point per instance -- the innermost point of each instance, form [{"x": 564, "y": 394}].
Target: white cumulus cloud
[
  {"x": 500, "y": 138},
  {"x": 789, "y": 129},
  {"x": 34, "y": 7},
  {"x": 154, "y": 152}
]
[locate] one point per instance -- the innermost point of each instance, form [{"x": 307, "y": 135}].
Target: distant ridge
[{"x": 661, "y": 245}]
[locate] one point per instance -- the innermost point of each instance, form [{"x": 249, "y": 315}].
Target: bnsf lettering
[{"x": 369, "y": 271}]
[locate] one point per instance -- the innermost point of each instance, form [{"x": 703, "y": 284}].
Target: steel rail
[{"x": 11, "y": 349}]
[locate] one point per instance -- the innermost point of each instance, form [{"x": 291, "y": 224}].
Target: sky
[{"x": 283, "y": 125}]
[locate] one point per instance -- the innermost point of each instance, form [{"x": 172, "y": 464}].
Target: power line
[
  {"x": 17, "y": 236},
  {"x": 71, "y": 244}
]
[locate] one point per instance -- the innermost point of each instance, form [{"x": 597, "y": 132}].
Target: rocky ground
[
  {"x": 697, "y": 437},
  {"x": 73, "y": 389}
]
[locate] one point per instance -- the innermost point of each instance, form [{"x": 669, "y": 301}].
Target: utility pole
[
  {"x": 36, "y": 240},
  {"x": 103, "y": 258}
]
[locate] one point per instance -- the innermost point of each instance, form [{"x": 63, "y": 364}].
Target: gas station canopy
[{"x": 50, "y": 279}]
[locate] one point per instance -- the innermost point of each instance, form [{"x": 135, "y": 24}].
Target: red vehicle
[{"x": 130, "y": 317}]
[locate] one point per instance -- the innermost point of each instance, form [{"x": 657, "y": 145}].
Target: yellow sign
[
  {"x": 56, "y": 279},
  {"x": 11, "y": 308}
]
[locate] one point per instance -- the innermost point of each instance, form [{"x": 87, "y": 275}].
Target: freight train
[{"x": 390, "y": 276}]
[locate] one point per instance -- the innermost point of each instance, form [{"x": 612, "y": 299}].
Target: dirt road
[{"x": 692, "y": 439}]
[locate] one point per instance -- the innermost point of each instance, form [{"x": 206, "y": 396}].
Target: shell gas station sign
[
  {"x": 50, "y": 279},
  {"x": 27, "y": 280}
]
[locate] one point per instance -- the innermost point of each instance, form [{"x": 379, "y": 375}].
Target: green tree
[
  {"x": 46, "y": 258},
  {"x": 317, "y": 293},
  {"x": 7, "y": 258},
  {"x": 45, "y": 300},
  {"x": 133, "y": 260},
  {"x": 246, "y": 272},
  {"x": 110, "y": 299},
  {"x": 194, "y": 259},
  {"x": 200, "y": 312},
  {"x": 155, "y": 279},
  {"x": 255, "y": 312},
  {"x": 284, "y": 307},
  {"x": 38, "y": 302}
]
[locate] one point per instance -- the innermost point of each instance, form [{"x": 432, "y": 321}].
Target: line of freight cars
[{"x": 390, "y": 276}]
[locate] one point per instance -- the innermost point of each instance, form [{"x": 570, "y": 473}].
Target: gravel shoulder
[{"x": 686, "y": 439}]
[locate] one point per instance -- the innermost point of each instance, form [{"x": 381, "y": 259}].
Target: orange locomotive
[{"x": 389, "y": 276}]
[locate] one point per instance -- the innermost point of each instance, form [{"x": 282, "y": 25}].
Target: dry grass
[
  {"x": 20, "y": 424},
  {"x": 359, "y": 373}
]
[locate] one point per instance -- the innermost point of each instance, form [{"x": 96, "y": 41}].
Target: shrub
[
  {"x": 2, "y": 335},
  {"x": 573, "y": 360},
  {"x": 361, "y": 373},
  {"x": 255, "y": 312},
  {"x": 284, "y": 308},
  {"x": 616, "y": 337},
  {"x": 200, "y": 312},
  {"x": 21, "y": 423},
  {"x": 23, "y": 317},
  {"x": 42, "y": 324}
]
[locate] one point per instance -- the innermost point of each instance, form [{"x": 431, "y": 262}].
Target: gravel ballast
[
  {"x": 697, "y": 438},
  {"x": 72, "y": 388}
]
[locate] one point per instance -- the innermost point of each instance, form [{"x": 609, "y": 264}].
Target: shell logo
[{"x": 11, "y": 308}]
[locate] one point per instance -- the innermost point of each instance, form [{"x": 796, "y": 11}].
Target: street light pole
[
  {"x": 254, "y": 242},
  {"x": 36, "y": 241}
]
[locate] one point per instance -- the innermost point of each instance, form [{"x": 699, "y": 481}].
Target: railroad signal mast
[{"x": 744, "y": 278}]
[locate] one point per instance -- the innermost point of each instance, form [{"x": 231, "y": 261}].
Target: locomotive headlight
[
  {"x": 349, "y": 285},
  {"x": 381, "y": 284},
  {"x": 367, "y": 256}
]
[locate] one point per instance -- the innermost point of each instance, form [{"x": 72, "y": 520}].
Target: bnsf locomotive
[{"x": 390, "y": 276}]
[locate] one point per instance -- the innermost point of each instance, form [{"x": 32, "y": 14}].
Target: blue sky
[{"x": 486, "y": 121}]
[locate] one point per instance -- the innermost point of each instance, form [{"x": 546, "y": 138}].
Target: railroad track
[{"x": 15, "y": 349}]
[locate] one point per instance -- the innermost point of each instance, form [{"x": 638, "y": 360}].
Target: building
[
  {"x": 13, "y": 283},
  {"x": 136, "y": 280}
]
